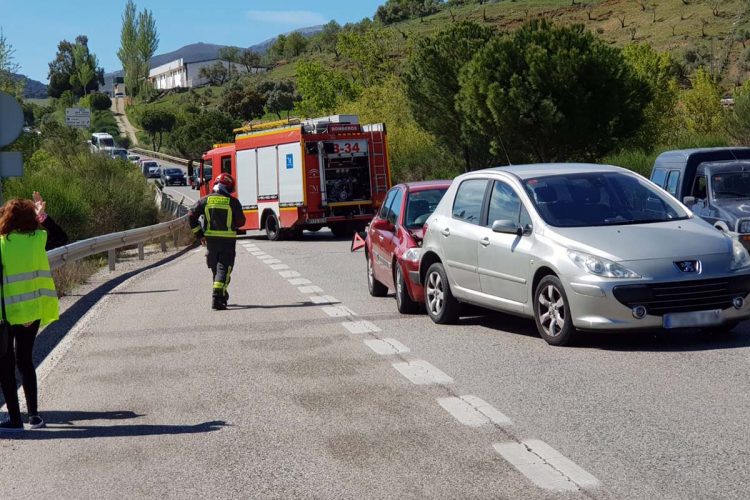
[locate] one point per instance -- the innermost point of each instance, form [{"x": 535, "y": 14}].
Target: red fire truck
[{"x": 328, "y": 171}]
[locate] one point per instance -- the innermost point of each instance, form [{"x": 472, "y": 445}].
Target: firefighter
[{"x": 222, "y": 215}]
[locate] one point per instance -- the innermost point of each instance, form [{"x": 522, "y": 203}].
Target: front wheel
[
  {"x": 442, "y": 306},
  {"x": 376, "y": 288},
  {"x": 273, "y": 231},
  {"x": 404, "y": 303},
  {"x": 552, "y": 312}
]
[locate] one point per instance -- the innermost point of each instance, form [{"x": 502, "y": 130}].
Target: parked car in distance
[
  {"x": 714, "y": 183},
  {"x": 579, "y": 246},
  {"x": 147, "y": 166},
  {"x": 119, "y": 154},
  {"x": 392, "y": 246},
  {"x": 194, "y": 179},
  {"x": 173, "y": 176},
  {"x": 134, "y": 158},
  {"x": 154, "y": 172}
]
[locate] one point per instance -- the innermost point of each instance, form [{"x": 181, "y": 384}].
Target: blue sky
[{"x": 34, "y": 27}]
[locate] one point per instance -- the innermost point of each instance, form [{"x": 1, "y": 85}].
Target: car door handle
[
  {"x": 446, "y": 232},
  {"x": 381, "y": 237},
  {"x": 485, "y": 242}
]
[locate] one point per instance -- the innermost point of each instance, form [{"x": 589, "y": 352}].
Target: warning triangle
[{"x": 358, "y": 242}]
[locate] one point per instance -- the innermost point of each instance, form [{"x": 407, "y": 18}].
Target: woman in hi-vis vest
[{"x": 29, "y": 299}]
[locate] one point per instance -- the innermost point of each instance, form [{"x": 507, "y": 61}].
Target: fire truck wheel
[
  {"x": 342, "y": 230},
  {"x": 314, "y": 229},
  {"x": 273, "y": 231}
]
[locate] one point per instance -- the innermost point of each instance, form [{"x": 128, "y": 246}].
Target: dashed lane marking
[
  {"x": 289, "y": 274},
  {"x": 338, "y": 311},
  {"x": 298, "y": 281},
  {"x": 278, "y": 267},
  {"x": 421, "y": 372},
  {"x": 265, "y": 257},
  {"x": 324, "y": 299},
  {"x": 272, "y": 261},
  {"x": 545, "y": 466},
  {"x": 360, "y": 327},
  {"x": 387, "y": 347},
  {"x": 473, "y": 411},
  {"x": 309, "y": 289}
]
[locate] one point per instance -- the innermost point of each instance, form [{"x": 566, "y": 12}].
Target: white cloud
[{"x": 289, "y": 17}]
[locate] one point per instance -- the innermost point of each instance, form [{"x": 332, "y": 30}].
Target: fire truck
[{"x": 304, "y": 175}]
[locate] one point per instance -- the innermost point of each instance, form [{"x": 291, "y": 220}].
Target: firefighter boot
[{"x": 218, "y": 303}]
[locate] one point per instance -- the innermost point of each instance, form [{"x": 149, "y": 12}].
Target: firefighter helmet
[{"x": 224, "y": 180}]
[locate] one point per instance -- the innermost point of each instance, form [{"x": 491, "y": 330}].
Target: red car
[{"x": 392, "y": 246}]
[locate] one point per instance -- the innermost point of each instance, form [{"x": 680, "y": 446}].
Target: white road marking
[
  {"x": 257, "y": 253},
  {"x": 272, "y": 261},
  {"x": 309, "y": 289},
  {"x": 297, "y": 281},
  {"x": 473, "y": 411},
  {"x": 290, "y": 274},
  {"x": 387, "y": 347},
  {"x": 359, "y": 327},
  {"x": 545, "y": 466},
  {"x": 324, "y": 299},
  {"x": 266, "y": 257},
  {"x": 421, "y": 372},
  {"x": 278, "y": 267},
  {"x": 338, "y": 311}
]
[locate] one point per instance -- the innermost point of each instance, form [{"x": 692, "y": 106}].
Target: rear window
[{"x": 173, "y": 171}]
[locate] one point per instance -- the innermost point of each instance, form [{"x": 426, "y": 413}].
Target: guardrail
[
  {"x": 111, "y": 242},
  {"x": 161, "y": 156}
]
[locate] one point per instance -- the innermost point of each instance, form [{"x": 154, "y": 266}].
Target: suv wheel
[
  {"x": 376, "y": 288},
  {"x": 404, "y": 303},
  {"x": 552, "y": 313},
  {"x": 442, "y": 306}
]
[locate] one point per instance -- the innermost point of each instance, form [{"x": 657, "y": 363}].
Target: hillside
[{"x": 32, "y": 89}]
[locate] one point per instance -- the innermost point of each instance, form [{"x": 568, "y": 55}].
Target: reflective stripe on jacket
[
  {"x": 28, "y": 287},
  {"x": 219, "y": 217}
]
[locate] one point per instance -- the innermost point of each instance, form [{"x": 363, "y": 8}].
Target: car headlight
[
  {"x": 743, "y": 226},
  {"x": 600, "y": 266},
  {"x": 740, "y": 257},
  {"x": 412, "y": 255}
]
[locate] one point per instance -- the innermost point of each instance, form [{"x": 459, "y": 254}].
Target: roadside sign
[
  {"x": 78, "y": 117},
  {"x": 11, "y": 119}
]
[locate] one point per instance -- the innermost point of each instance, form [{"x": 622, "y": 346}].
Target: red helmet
[{"x": 225, "y": 180}]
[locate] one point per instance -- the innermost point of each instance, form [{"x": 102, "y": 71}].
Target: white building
[{"x": 183, "y": 74}]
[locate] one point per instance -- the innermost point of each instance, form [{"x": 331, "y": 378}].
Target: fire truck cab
[{"x": 328, "y": 171}]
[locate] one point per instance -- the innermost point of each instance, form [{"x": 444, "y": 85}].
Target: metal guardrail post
[
  {"x": 163, "y": 241},
  {"x": 141, "y": 253},
  {"x": 112, "y": 258}
]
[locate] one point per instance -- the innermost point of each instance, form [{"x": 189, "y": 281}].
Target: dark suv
[{"x": 173, "y": 176}]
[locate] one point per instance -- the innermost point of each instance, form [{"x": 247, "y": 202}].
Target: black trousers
[
  {"x": 220, "y": 258},
  {"x": 19, "y": 353}
]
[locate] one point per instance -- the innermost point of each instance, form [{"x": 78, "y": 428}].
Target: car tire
[
  {"x": 552, "y": 312},
  {"x": 442, "y": 306},
  {"x": 273, "y": 231},
  {"x": 404, "y": 302},
  {"x": 376, "y": 288}
]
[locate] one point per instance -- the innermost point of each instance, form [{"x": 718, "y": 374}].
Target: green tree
[
  {"x": 250, "y": 60},
  {"x": 280, "y": 96},
  {"x": 393, "y": 11},
  {"x": 200, "y": 132},
  {"x": 84, "y": 68},
  {"x": 215, "y": 74},
  {"x": 147, "y": 42},
  {"x": 327, "y": 39},
  {"x": 231, "y": 55},
  {"x": 660, "y": 116},
  {"x": 372, "y": 53},
  {"x": 9, "y": 83},
  {"x": 738, "y": 121},
  {"x": 277, "y": 50},
  {"x": 243, "y": 103},
  {"x": 702, "y": 105},
  {"x": 321, "y": 88},
  {"x": 432, "y": 84},
  {"x": 551, "y": 94},
  {"x": 74, "y": 68},
  {"x": 100, "y": 102},
  {"x": 139, "y": 40},
  {"x": 155, "y": 122},
  {"x": 295, "y": 45}
]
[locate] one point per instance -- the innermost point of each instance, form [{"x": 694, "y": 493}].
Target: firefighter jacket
[
  {"x": 222, "y": 216},
  {"x": 28, "y": 287}
]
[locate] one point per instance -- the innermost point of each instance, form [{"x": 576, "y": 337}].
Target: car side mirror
[
  {"x": 688, "y": 201},
  {"x": 507, "y": 227}
]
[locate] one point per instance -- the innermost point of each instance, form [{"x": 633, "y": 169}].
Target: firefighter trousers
[{"x": 220, "y": 258}]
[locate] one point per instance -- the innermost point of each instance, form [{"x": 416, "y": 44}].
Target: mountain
[{"x": 32, "y": 89}]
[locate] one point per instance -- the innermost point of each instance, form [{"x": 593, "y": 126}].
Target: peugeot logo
[{"x": 689, "y": 266}]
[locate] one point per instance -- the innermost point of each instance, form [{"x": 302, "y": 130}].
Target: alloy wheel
[
  {"x": 551, "y": 310},
  {"x": 435, "y": 293}
]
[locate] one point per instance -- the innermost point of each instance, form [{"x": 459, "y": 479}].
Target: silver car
[{"x": 579, "y": 247}]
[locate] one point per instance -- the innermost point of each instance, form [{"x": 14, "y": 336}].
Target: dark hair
[{"x": 18, "y": 215}]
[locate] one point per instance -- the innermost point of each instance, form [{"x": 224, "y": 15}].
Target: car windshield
[
  {"x": 420, "y": 206},
  {"x": 106, "y": 142},
  {"x": 600, "y": 199},
  {"x": 173, "y": 171},
  {"x": 728, "y": 185},
  {"x": 153, "y": 169}
]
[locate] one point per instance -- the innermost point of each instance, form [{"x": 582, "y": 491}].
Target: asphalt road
[{"x": 293, "y": 394}]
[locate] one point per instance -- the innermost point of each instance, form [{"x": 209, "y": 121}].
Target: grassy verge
[{"x": 76, "y": 273}]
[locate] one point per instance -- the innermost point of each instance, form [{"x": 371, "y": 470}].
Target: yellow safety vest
[
  {"x": 28, "y": 287},
  {"x": 218, "y": 216}
]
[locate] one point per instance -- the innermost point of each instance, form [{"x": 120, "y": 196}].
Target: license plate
[{"x": 692, "y": 319}]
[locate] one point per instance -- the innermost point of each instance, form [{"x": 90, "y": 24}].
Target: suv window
[
  {"x": 467, "y": 206},
  {"x": 383, "y": 214},
  {"x": 672, "y": 182},
  {"x": 394, "y": 211},
  {"x": 699, "y": 188},
  {"x": 659, "y": 176},
  {"x": 504, "y": 204}
]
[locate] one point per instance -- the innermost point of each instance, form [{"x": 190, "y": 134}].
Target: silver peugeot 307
[{"x": 579, "y": 247}]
